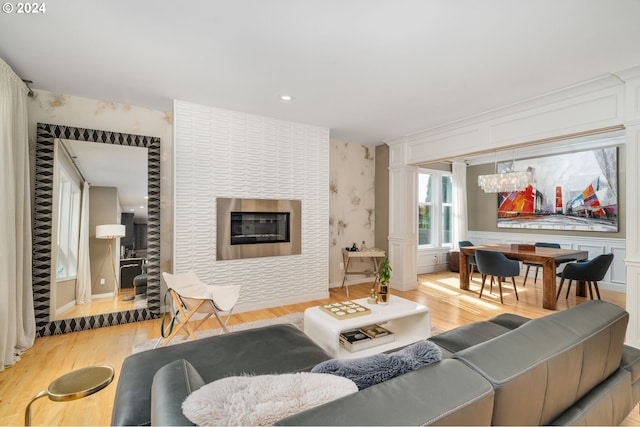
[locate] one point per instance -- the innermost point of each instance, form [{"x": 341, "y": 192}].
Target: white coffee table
[{"x": 410, "y": 322}]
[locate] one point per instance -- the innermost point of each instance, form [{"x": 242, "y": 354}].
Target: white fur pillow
[{"x": 262, "y": 399}]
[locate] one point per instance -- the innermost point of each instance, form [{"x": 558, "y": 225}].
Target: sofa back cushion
[{"x": 541, "y": 368}]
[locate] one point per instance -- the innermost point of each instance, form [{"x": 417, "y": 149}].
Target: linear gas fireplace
[{"x": 251, "y": 228}]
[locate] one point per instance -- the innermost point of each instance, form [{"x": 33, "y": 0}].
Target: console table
[
  {"x": 409, "y": 321},
  {"x": 373, "y": 255}
]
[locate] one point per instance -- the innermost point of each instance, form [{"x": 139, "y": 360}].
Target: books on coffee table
[{"x": 365, "y": 337}]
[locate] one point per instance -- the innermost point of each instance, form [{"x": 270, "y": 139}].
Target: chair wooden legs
[
  {"x": 484, "y": 278},
  {"x": 589, "y": 284},
  {"x": 526, "y": 274},
  {"x": 184, "y": 319},
  {"x": 560, "y": 288},
  {"x": 595, "y": 285}
]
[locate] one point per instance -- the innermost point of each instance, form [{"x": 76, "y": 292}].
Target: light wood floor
[
  {"x": 54, "y": 356},
  {"x": 102, "y": 305}
]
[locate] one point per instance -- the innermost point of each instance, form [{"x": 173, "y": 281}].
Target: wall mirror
[{"x": 116, "y": 197}]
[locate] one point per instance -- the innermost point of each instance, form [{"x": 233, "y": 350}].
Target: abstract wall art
[{"x": 573, "y": 191}]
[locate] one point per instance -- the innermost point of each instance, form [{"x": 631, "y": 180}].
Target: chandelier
[
  {"x": 505, "y": 182},
  {"x": 508, "y": 180}
]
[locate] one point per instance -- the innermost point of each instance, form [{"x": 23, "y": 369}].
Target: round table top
[{"x": 80, "y": 383}]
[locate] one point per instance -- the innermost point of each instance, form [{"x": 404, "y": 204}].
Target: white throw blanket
[{"x": 263, "y": 399}]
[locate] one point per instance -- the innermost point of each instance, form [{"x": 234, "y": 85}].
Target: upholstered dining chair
[
  {"x": 471, "y": 260},
  {"x": 591, "y": 271},
  {"x": 191, "y": 296},
  {"x": 497, "y": 265},
  {"x": 537, "y": 266}
]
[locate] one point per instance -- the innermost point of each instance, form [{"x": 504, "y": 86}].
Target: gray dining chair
[
  {"x": 591, "y": 272},
  {"x": 496, "y": 264},
  {"x": 537, "y": 266},
  {"x": 471, "y": 260}
]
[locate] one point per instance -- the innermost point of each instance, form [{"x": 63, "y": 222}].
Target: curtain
[
  {"x": 83, "y": 278},
  {"x": 17, "y": 317},
  {"x": 460, "y": 224}
]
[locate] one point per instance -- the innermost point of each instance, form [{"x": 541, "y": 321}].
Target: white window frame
[
  {"x": 68, "y": 227},
  {"x": 436, "y": 205}
]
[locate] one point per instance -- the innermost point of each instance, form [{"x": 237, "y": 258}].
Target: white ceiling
[
  {"x": 367, "y": 69},
  {"x": 111, "y": 165}
]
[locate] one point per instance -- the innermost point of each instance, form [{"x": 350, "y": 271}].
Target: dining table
[{"x": 547, "y": 258}]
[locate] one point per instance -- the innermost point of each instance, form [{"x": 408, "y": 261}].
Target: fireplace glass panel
[{"x": 259, "y": 227}]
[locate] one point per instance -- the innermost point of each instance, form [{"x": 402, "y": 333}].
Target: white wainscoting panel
[{"x": 221, "y": 153}]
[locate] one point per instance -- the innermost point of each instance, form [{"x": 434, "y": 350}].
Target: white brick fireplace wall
[{"x": 221, "y": 153}]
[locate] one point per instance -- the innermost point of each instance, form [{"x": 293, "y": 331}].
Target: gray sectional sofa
[{"x": 567, "y": 368}]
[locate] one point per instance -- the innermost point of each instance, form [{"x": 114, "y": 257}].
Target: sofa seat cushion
[
  {"x": 263, "y": 399},
  {"x": 509, "y": 320},
  {"x": 370, "y": 370}
]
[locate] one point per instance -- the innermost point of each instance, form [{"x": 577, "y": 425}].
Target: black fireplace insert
[{"x": 260, "y": 227}]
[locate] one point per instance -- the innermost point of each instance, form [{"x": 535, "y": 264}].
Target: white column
[
  {"x": 403, "y": 220},
  {"x": 632, "y": 209},
  {"x": 632, "y": 260}
]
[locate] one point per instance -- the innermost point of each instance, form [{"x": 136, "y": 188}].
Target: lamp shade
[{"x": 110, "y": 231}]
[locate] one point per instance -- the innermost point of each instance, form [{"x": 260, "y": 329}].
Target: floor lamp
[{"x": 110, "y": 232}]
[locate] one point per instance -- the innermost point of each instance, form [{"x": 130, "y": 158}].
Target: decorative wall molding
[
  {"x": 593, "y": 105},
  {"x": 221, "y": 153}
]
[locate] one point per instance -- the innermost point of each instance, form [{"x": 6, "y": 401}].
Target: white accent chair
[{"x": 191, "y": 296}]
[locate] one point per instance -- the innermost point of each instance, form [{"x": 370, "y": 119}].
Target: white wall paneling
[
  {"x": 431, "y": 260},
  {"x": 221, "y": 153}
]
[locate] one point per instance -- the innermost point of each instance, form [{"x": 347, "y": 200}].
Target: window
[
  {"x": 68, "y": 227},
  {"x": 435, "y": 208}
]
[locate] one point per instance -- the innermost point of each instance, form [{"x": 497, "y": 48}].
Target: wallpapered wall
[{"x": 351, "y": 203}]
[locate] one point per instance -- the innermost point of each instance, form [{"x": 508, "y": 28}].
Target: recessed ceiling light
[
  {"x": 286, "y": 97},
  {"x": 141, "y": 207},
  {"x": 132, "y": 210}
]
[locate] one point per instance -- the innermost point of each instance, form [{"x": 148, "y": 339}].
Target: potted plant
[{"x": 384, "y": 274}]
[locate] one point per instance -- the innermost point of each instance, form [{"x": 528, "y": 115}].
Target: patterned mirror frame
[{"x": 42, "y": 223}]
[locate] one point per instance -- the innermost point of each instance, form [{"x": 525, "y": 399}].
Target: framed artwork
[{"x": 574, "y": 191}]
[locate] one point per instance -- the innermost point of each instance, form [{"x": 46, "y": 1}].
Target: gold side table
[{"x": 74, "y": 385}]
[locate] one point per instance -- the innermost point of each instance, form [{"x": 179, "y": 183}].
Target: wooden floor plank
[{"x": 54, "y": 356}]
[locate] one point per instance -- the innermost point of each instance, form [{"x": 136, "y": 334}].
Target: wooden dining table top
[{"x": 530, "y": 255}]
